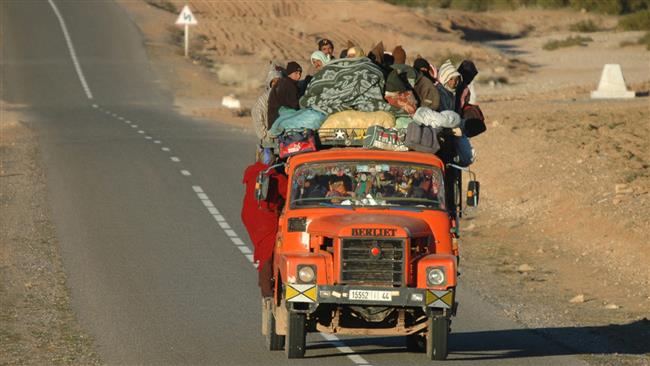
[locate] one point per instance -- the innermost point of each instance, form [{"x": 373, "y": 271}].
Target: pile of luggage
[{"x": 347, "y": 104}]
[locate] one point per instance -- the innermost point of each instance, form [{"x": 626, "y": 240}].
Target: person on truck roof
[
  {"x": 425, "y": 88},
  {"x": 285, "y": 92},
  {"x": 400, "y": 65},
  {"x": 354, "y": 52},
  {"x": 261, "y": 218},
  {"x": 259, "y": 112},
  {"x": 327, "y": 47},
  {"x": 398, "y": 93},
  {"x": 448, "y": 78},
  {"x": 468, "y": 71}
]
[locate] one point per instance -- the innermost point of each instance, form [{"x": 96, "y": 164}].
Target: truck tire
[
  {"x": 274, "y": 342},
  {"x": 296, "y": 336},
  {"x": 415, "y": 343},
  {"x": 437, "y": 337}
]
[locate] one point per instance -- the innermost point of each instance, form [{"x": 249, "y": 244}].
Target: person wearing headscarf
[
  {"x": 327, "y": 47},
  {"x": 355, "y": 51},
  {"x": 425, "y": 89},
  {"x": 377, "y": 55},
  {"x": 259, "y": 112},
  {"x": 285, "y": 92},
  {"x": 468, "y": 72},
  {"x": 423, "y": 66},
  {"x": 448, "y": 80},
  {"x": 318, "y": 60}
]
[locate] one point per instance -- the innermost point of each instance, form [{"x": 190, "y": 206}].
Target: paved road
[{"x": 155, "y": 278}]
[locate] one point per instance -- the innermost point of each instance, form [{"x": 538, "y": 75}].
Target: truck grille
[{"x": 360, "y": 266}]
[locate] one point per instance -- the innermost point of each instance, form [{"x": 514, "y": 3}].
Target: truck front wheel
[
  {"x": 437, "y": 336},
  {"x": 274, "y": 342},
  {"x": 296, "y": 335}
]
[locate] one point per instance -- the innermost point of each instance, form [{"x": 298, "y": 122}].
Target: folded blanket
[
  {"x": 346, "y": 84},
  {"x": 429, "y": 117},
  {"x": 291, "y": 119}
]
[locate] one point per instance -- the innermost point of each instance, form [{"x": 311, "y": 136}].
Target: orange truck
[{"x": 366, "y": 245}]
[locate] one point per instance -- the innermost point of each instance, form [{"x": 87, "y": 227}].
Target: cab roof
[{"x": 343, "y": 154}]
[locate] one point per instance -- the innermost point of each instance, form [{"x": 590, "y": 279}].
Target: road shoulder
[{"x": 37, "y": 324}]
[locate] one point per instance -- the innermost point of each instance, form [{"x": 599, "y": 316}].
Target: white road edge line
[{"x": 73, "y": 54}]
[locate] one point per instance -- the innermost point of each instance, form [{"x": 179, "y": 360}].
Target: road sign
[{"x": 186, "y": 18}]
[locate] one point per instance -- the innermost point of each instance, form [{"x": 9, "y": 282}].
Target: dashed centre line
[{"x": 174, "y": 159}]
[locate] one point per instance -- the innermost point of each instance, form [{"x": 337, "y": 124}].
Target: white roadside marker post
[
  {"x": 612, "y": 84},
  {"x": 186, "y": 18}
]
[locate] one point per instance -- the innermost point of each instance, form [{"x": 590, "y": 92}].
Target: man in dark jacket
[
  {"x": 285, "y": 92},
  {"x": 425, "y": 89}
]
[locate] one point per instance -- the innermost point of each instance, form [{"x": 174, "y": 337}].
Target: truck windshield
[{"x": 367, "y": 183}]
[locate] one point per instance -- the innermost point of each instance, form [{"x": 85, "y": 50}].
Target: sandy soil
[
  {"x": 37, "y": 325},
  {"x": 560, "y": 238}
]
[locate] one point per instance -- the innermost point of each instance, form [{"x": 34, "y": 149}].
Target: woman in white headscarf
[{"x": 448, "y": 78}]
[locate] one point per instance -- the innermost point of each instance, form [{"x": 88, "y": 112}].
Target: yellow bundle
[
  {"x": 354, "y": 123},
  {"x": 357, "y": 119}
]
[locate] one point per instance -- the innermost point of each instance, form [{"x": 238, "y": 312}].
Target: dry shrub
[
  {"x": 567, "y": 42},
  {"x": 585, "y": 26},
  {"x": 228, "y": 75}
]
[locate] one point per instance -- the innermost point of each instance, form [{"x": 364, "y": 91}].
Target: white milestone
[{"x": 612, "y": 84}]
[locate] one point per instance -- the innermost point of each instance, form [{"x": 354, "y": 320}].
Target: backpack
[
  {"x": 421, "y": 138},
  {"x": 474, "y": 120}
]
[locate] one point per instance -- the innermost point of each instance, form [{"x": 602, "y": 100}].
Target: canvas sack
[{"x": 421, "y": 138}]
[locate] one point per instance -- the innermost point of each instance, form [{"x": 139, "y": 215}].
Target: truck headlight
[
  {"x": 436, "y": 276},
  {"x": 306, "y": 274}
]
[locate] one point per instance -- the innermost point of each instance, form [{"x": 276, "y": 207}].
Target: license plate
[{"x": 368, "y": 295}]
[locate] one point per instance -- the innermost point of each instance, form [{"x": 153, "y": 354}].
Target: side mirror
[
  {"x": 261, "y": 186},
  {"x": 473, "y": 188}
]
